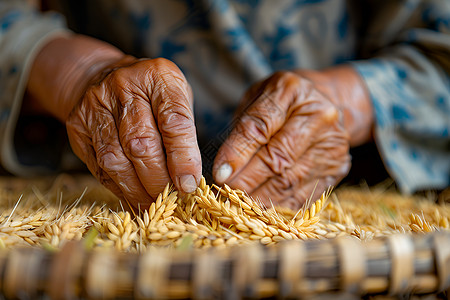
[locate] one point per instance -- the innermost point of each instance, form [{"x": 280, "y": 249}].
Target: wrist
[
  {"x": 63, "y": 69},
  {"x": 343, "y": 86}
]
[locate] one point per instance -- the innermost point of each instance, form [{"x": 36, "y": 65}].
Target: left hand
[{"x": 288, "y": 144}]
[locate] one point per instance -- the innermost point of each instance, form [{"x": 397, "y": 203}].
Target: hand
[
  {"x": 289, "y": 143},
  {"x": 129, "y": 120},
  {"x": 135, "y": 131}
]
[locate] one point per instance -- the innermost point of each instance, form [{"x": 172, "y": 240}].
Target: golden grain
[
  {"x": 266, "y": 240},
  {"x": 215, "y": 216},
  {"x": 155, "y": 236},
  {"x": 173, "y": 234},
  {"x": 278, "y": 238}
]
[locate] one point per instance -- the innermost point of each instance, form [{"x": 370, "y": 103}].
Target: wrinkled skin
[
  {"x": 134, "y": 129},
  {"x": 288, "y": 143},
  {"x": 131, "y": 122}
]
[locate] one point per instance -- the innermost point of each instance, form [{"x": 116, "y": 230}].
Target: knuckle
[
  {"x": 289, "y": 80},
  {"x": 278, "y": 158},
  {"x": 163, "y": 69},
  {"x": 115, "y": 75},
  {"x": 255, "y": 127},
  {"x": 140, "y": 147},
  {"x": 175, "y": 121},
  {"x": 90, "y": 92},
  {"x": 277, "y": 76},
  {"x": 118, "y": 77},
  {"x": 161, "y": 61},
  {"x": 283, "y": 75},
  {"x": 107, "y": 160},
  {"x": 285, "y": 182},
  {"x": 183, "y": 156},
  {"x": 329, "y": 114},
  {"x": 96, "y": 100}
]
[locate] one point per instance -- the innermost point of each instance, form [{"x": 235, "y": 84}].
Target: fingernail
[
  {"x": 223, "y": 172},
  {"x": 188, "y": 183}
]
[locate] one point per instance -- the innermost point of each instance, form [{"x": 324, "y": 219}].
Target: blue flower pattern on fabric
[
  {"x": 8, "y": 19},
  {"x": 412, "y": 129},
  {"x": 400, "y": 113},
  {"x": 279, "y": 57},
  {"x": 236, "y": 37}
]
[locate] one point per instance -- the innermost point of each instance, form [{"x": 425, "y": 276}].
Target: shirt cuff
[
  {"x": 20, "y": 42},
  {"x": 412, "y": 124}
]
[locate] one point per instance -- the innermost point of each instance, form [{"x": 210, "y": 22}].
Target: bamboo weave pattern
[{"x": 255, "y": 248}]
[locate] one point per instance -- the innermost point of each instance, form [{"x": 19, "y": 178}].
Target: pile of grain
[{"x": 73, "y": 208}]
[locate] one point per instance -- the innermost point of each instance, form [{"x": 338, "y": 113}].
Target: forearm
[
  {"x": 347, "y": 90},
  {"x": 63, "y": 68}
]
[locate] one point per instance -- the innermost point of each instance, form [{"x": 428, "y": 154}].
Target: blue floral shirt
[{"x": 400, "y": 48}]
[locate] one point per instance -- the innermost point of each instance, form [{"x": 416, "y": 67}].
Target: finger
[
  {"x": 142, "y": 144},
  {"x": 108, "y": 151},
  {"x": 278, "y": 192},
  {"x": 280, "y": 187},
  {"x": 307, "y": 193},
  {"x": 113, "y": 161},
  {"x": 171, "y": 104},
  {"x": 320, "y": 166},
  {"x": 256, "y": 126},
  {"x": 81, "y": 144},
  {"x": 103, "y": 177},
  {"x": 283, "y": 150}
]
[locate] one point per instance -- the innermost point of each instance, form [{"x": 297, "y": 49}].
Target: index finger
[
  {"x": 172, "y": 106},
  {"x": 258, "y": 123}
]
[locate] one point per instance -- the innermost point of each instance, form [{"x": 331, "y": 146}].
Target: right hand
[
  {"x": 289, "y": 143},
  {"x": 134, "y": 129}
]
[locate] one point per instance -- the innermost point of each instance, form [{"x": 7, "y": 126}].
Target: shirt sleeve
[
  {"x": 407, "y": 44},
  {"x": 23, "y": 32}
]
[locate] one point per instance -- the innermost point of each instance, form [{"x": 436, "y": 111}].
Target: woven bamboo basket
[
  {"x": 73, "y": 239},
  {"x": 396, "y": 265}
]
